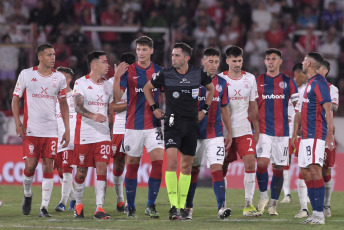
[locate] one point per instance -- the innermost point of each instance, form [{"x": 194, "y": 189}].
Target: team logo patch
[
  {"x": 53, "y": 153},
  {"x": 260, "y": 150},
  {"x": 171, "y": 142},
  {"x": 114, "y": 148},
  {"x": 127, "y": 148},
  {"x": 282, "y": 85},
  {"x": 245, "y": 81},
  {"x": 309, "y": 89},
  {"x": 194, "y": 93},
  {"x": 31, "y": 148},
  {"x": 82, "y": 159},
  {"x": 218, "y": 88},
  {"x": 175, "y": 94}
]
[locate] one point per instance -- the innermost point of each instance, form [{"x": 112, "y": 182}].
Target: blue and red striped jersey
[
  {"x": 211, "y": 125},
  {"x": 313, "y": 117},
  {"x": 273, "y": 97},
  {"x": 139, "y": 115}
]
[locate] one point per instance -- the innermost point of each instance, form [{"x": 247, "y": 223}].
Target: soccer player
[
  {"x": 40, "y": 86},
  {"x": 211, "y": 143},
  {"x": 63, "y": 162},
  {"x": 120, "y": 112},
  {"x": 317, "y": 131},
  {"x": 181, "y": 83},
  {"x": 330, "y": 155},
  {"x": 242, "y": 90},
  {"x": 301, "y": 80},
  {"x": 92, "y": 148},
  {"x": 142, "y": 128},
  {"x": 274, "y": 90}
]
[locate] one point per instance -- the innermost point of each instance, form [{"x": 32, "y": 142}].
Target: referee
[{"x": 181, "y": 83}]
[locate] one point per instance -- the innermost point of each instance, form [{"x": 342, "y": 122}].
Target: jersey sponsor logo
[
  {"x": 45, "y": 95},
  {"x": 184, "y": 80},
  {"x": 100, "y": 98},
  {"x": 175, "y": 94},
  {"x": 96, "y": 103},
  {"x": 44, "y": 90},
  {"x": 273, "y": 96},
  {"x": 306, "y": 100},
  {"x": 90, "y": 87},
  {"x": 218, "y": 88},
  {"x": 34, "y": 79},
  {"x": 140, "y": 90},
  {"x": 238, "y": 98},
  {"x": 201, "y": 98},
  {"x": 263, "y": 85},
  {"x": 283, "y": 85},
  {"x": 171, "y": 142},
  {"x": 214, "y": 99},
  {"x": 31, "y": 148},
  {"x": 237, "y": 92},
  {"x": 194, "y": 93},
  {"x": 185, "y": 91},
  {"x": 82, "y": 159}
]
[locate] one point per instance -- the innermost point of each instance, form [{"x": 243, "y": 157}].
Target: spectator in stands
[
  {"x": 340, "y": 84},
  {"x": 332, "y": 17},
  {"x": 62, "y": 52},
  {"x": 174, "y": 10},
  {"x": 288, "y": 24},
  {"x": 216, "y": 13},
  {"x": 202, "y": 32},
  {"x": 40, "y": 14},
  {"x": 110, "y": 17},
  {"x": 228, "y": 38},
  {"x": 307, "y": 17},
  {"x": 134, "y": 5},
  {"x": 183, "y": 31},
  {"x": 308, "y": 42},
  {"x": 155, "y": 20},
  {"x": 290, "y": 56},
  {"x": 79, "y": 8},
  {"x": 78, "y": 43},
  {"x": 158, "y": 5},
  {"x": 274, "y": 7},
  {"x": 16, "y": 35},
  {"x": 261, "y": 17},
  {"x": 275, "y": 36},
  {"x": 3, "y": 21},
  {"x": 17, "y": 12},
  {"x": 239, "y": 27}
]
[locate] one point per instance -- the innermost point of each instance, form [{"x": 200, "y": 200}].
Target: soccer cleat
[
  {"x": 174, "y": 214},
  {"x": 261, "y": 205},
  {"x": 327, "y": 211},
  {"x": 120, "y": 207},
  {"x": 272, "y": 208},
  {"x": 224, "y": 212},
  {"x": 72, "y": 205},
  {"x": 286, "y": 199},
  {"x": 79, "y": 211},
  {"x": 100, "y": 214},
  {"x": 151, "y": 211},
  {"x": 251, "y": 211},
  {"x": 189, "y": 212},
  {"x": 308, "y": 220},
  {"x": 318, "y": 220},
  {"x": 302, "y": 214},
  {"x": 126, "y": 208},
  {"x": 184, "y": 214},
  {"x": 44, "y": 213},
  {"x": 60, "y": 208},
  {"x": 131, "y": 212},
  {"x": 26, "y": 206}
]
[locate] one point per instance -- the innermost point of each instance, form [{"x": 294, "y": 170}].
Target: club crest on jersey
[
  {"x": 218, "y": 88},
  {"x": 283, "y": 85},
  {"x": 54, "y": 82},
  {"x": 184, "y": 80},
  {"x": 245, "y": 81},
  {"x": 31, "y": 148},
  {"x": 127, "y": 148},
  {"x": 194, "y": 93},
  {"x": 82, "y": 159},
  {"x": 309, "y": 88},
  {"x": 259, "y": 150},
  {"x": 175, "y": 94}
]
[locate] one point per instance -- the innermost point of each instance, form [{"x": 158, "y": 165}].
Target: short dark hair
[
  {"x": 273, "y": 51},
  {"x": 94, "y": 55},
  {"x": 42, "y": 47},
  {"x": 128, "y": 58},
  {"x": 145, "y": 41},
  {"x": 317, "y": 57},
  {"x": 327, "y": 65},
  {"x": 234, "y": 51},
  {"x": 211, "y": 52},
  {"x": 65, "y": 70},
  {"x": 186, "y": 49},
  {"x": 297, "y": 67}
]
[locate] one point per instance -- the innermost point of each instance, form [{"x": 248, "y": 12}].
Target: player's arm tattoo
[{"x": 79, "y": 106}]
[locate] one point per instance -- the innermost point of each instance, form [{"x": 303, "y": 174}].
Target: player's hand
[
  {"x": 256, "y": 137},
  {"x": 293, "y": 139},
  {"x": 20, "y": 130},
  {"x": 201, "y": 115},
  {"x": 99, "y": 118},
  {"x": 228, "y": 142},
  {"x": 329, "y": 141},
  {"x": 159, "y": 114},
  {"x": 120, "y": 69},
  {"x": 65, "y": 139}
]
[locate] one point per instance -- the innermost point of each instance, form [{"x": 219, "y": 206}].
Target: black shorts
[{"x": 182, "y": 135}]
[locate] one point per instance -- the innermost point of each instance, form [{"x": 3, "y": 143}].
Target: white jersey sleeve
[
  {"x": 120, "y": 117},
  {"x": 291, "y": 116},
  {"x": 334, "y": 95},
  {"x": 301, "y": 90}
]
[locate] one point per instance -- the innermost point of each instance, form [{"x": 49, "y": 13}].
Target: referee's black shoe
[
  {"x": 26, "y": 206},
  {"x": 174, "y": 214}
]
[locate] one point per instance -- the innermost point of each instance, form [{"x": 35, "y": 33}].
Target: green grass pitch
[{"x": 204, "y": 217}]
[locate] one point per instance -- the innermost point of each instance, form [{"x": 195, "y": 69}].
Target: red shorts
[
  {"x": 329, "y": 158},
  {"x": 242, "y": 146},
  {"x": 297, "y": 144},
  {"x": 64, "y": 160},
  {"x": 116, "y": 145},
  {"x": 86, "y": 155},
  {"x": 39, "y": 147}
]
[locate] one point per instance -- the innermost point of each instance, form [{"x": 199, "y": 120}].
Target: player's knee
[
  {"x": 156, "y": 171},
  {"x": 262, "y": 162}
]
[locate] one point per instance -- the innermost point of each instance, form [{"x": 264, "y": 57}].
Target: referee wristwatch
[{"x": 205, "y": 109}]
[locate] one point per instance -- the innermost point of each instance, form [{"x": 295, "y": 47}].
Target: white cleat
[
  {"x": 286, "y": 199},
  {"x": 261, "y": 205},
  {"x": 308, "y": 220},
  {"x": 189, "y": 211},
  {"x": 327, "y": 211},
  {"x": 318, "y": 220},
  {"x": 224, "y": 212},
  {"x": 302, "y": 214}
]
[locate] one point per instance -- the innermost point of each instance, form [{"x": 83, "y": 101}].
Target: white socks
[
  {"x": 27, "y": 183},
  {"x": 67, "y": 186},
  {"x": 286, "y": 182},
  {"x": 328, "y": 192},
  {"x": 100, "y": 189},
  {"x": 47, "y": 188},
  {"x": 118, "y": 185},
  {"x": 79, "y": 191},
  {"x": 302, "y": 192},
  {"x": 249, "y": 183}
]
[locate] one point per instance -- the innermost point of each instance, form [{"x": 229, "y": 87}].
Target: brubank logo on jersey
[
  {"x": 43, "y": 94},
  {"x": 273, "y": 96},
  {"x": 99, "y": 101},
  {"x": 214, "y": 98},
  {"x": 140, "y": 90}
]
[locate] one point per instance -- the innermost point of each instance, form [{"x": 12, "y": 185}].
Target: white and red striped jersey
[
  {"x": 60, "y": 123},
  {"x": 240, "y": 91},
  {"x": 120, "y": 117},
  {"x": 97, "y": 97},
  {"x": 334, "y": 94},
  {"x": 40, "y": 96}
]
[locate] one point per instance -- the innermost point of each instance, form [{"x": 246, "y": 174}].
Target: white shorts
[
  {"x": 134, "y": 140},
  {"x": 274, "y": 148},
  {"x": 311, "y": 151},
  {"x": 213, "y": 149}
]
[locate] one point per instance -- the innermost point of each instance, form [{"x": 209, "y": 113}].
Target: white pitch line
[{"x": 45, "y": 227}]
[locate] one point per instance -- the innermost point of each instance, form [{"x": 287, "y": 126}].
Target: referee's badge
[
  {"x": 194, "y": 93},
  {"x": 175, "y": 94}
]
